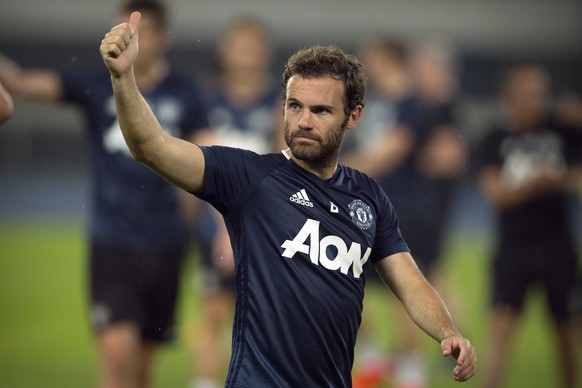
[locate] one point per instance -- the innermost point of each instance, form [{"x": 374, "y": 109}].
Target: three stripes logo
[{"x": 301, "y": 198}]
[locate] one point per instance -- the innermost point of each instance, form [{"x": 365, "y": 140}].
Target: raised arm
[
  {"x": 34, "y": 84},
  {"x": 176, "y": 160},
  {"x": 428, "y": 311}
]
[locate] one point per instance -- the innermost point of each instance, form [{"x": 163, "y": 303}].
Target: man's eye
[
  {"x": 321, "y": 110},
  {"x": 294, "y": 106}
]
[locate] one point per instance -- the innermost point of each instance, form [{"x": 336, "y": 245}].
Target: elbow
[
  {"x": 143, "y": 154},
  {"x": 139, "y": 155},
  {"x": 145, "y": 150}
]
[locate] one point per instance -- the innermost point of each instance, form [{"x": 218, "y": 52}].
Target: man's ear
[{"x": 354, "y": 116}]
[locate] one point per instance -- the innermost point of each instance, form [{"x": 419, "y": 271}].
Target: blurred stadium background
[{"x": 44, "y": 335}]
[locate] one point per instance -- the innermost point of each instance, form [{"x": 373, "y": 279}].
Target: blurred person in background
[
  {"x": 569, "y": 114},
  {"x": 528, "y": 168},
  {"x": 435, "y": 66},
  {"x": 137, "y": 234},
  {"x": 6, "y": 105},
  {"x": 411, "y": 145},
  {"x": 244, "y": 102}
]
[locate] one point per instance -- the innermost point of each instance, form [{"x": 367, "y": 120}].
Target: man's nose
[{"x": 305, "y": 121}]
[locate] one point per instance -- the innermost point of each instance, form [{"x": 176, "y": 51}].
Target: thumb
[
  {"x": 447, "y": 348},
  {"x": 451, "y": 348},
  {"x": 134, "y": 20}
]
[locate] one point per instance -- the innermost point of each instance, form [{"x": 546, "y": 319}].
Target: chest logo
[
  {"x": 331, "y": 252},
  {"x": 333, "y": 208},
  {"x": 361, "y": 214},
  {"x": 301, "y": 198}
]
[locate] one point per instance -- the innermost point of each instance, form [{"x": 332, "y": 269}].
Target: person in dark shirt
[
  {"x": 244, "y": 111},
  {"x": 528, "y": 167},
  {"x": 137, "y": 234},
  {"x": 410, "y": 144},
  {"x": 302, "y": 226}
]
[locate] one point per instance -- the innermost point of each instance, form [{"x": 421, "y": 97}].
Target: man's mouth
[{"x": 305, "y": 137}]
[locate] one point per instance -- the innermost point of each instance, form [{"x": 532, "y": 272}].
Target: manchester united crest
[{"x": 361, "y": 214}]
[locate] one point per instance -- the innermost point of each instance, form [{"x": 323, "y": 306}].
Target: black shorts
[
  {"x": 521, "y": 264},
  {"x": 134, "y": 286}
]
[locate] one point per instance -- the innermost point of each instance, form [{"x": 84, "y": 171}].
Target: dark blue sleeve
[
  {"x": 231, "y": 175},
  {"x": 79, "y": 86},
  {"x": 196, "y": 112},
  {"x": 410, "y": 113},
  {"x": 388, "y": 239}
]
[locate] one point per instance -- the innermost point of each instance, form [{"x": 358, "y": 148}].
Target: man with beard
[{"x": 302, "y": 227}]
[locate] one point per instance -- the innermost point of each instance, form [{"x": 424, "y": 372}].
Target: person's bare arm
[
  {"x": 177, "y": 160},
  {"x": 6, "y": 105},
  {"x": 504, "y": 195},
  {"x": 427, "y": 310},
  {"x": 34, "y": 84},
  {"x": 387, "y": 153}
]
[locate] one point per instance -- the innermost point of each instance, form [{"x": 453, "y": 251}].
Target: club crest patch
[{"x": 361, "y": 214}]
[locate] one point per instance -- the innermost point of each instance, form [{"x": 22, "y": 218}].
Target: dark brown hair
[
  {"x": 322, "y": 61},
  {"x": 391, "y": 47},
  {"x": 154, "y": 8}
]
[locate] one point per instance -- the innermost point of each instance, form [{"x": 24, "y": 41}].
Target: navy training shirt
[
  {"x": 131, "y": 205},
  {"x": 249, "y": 126},
  {"x": 517, "y": 155},
  {"x": 299, "y": 243}
]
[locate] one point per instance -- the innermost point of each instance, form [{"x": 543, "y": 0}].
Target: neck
[
  {"x": 245, "y": 88},
  {"x": 524, "y": 123},
  {"x": 149, "y": 76}
]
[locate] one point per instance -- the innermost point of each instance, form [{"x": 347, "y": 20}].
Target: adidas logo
[{"x": 301, "y": 198}]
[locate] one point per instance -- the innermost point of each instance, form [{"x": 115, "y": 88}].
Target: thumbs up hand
[{"x": 119, "y": 48}]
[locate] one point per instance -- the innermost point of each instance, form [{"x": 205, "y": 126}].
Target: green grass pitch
[{"x": 45, "y": 339}]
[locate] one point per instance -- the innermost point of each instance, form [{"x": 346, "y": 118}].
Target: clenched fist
[{"x": 119, "y": 48}]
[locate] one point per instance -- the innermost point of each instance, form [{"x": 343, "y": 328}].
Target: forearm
[
  {"x": 389, "y": 152},
  {"x": 141, "y": 129},
  {"x": 37, "y": 84},
  {"x": 429, "y": 312},
  {"x": 177, "y": 160},
  {"x": 418, "y": 297},
  {"x": 10, "y": 72},
  {"x": 504, "y": 196},
  {"x": 383, "y": 154}
]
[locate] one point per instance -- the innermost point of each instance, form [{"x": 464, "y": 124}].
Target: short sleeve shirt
[
  {"x": 131, "y": 205},
  {"x": 300, "y": 245},
  {"x": 517, "y": 156}
]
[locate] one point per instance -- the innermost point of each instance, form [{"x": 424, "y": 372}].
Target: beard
[{"x": 325, "y": 150}]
